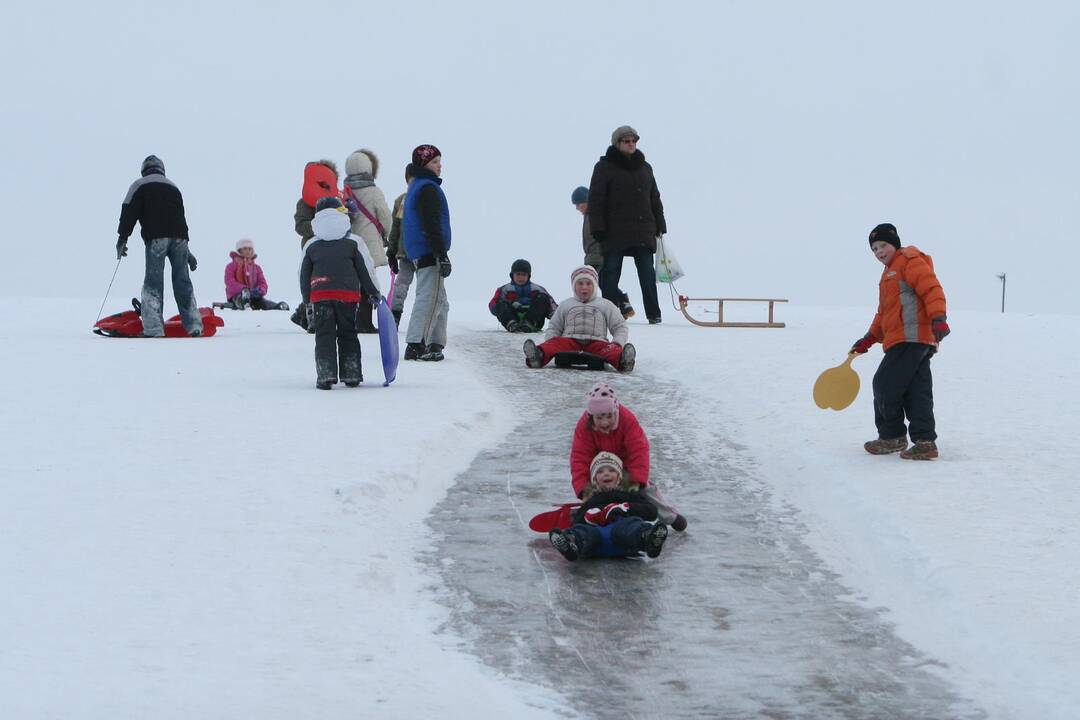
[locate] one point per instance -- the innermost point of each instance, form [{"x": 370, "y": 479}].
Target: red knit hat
[{"x": 423, "y": 154}]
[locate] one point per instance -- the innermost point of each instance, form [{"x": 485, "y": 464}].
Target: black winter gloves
[
  {"x": 121, "y": 248},
  {"x": 443, "y": 263}
]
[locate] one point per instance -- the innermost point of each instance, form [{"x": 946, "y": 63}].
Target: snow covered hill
[{"x": 193, "y": 531}]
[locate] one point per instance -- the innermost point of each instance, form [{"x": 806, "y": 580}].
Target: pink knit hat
[
  {"x": 585, "y": 270},
  {"x": 602, "y": 400}
]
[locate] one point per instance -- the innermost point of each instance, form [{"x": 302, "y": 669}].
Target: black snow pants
[
  {"x": 903, "y": 387},
  {"x": 337, "y": 347},
  {"x": 535, "y": 313}
]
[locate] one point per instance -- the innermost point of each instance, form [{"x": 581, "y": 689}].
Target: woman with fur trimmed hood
[{"x": 368, "y": 214}]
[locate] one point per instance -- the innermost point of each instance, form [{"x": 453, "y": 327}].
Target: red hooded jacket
[{"x": 627, "y": 440}]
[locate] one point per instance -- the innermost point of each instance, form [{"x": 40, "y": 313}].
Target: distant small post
[{"x": 1001, "y": 277}]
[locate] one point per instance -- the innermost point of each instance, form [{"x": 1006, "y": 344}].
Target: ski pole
[{"x": 107, "y": 291}]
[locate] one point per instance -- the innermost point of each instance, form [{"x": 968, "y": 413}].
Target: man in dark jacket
[
  {"x": 626, "y": 216},
  {"x": 426, "y": 232},
  {"x": 156, "y": 204}
]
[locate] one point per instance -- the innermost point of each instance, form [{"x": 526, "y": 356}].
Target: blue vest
[{"x": 416, "y": 241}]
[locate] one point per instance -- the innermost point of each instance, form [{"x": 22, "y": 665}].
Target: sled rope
[{"x": 107, "y": 291}]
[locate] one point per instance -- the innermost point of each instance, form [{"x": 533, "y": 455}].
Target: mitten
[
  {"x": 940, "y": 328},
  {"x": 615, "y": 510},
  {"x": 863, "y": 344},
  {"x": 351, "y": 206},
  {"x": 374, "y": 299}
]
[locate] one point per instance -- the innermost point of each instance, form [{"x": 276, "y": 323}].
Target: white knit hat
[
  {"x": 244, "y": 243},
  {"x": 605, "y": 460}
]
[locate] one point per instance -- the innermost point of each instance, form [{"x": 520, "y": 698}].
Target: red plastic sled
[
  {"x": 128, "y": 324},
  {"x": 560, "y": 518}
]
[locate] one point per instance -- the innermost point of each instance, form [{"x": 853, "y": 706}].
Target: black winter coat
[
  {"x": 639, "y": 506},
  {"x": 156, "y": 204},
  {"x": 624, "y": 202}
]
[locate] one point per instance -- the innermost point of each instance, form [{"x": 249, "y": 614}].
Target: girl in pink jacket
[{"x": 245, "y": 283}]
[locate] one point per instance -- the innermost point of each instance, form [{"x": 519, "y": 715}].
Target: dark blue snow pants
[{"x": 903, "y": 387}]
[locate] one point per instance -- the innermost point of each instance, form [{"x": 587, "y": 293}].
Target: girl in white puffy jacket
[{"x": 368, "y": 212}]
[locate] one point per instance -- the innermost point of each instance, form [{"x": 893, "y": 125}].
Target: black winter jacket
[
  {"x": 639, "y": 506},
  {"x": 334, "y": 270},
  {"x": 624, "y": 202},
  {"x": 156, "y": 204}
]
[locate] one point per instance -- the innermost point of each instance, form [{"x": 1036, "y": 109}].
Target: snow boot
[
  {"x": 282, "y": 306},
  {"x": 325, "y": 384},
  {"x": 565, "y": 542},
  {"x": 654, "y": 321},
  {"x": 627, "y": 311},
  {"x": 433, "y": 354},
  {"x": 353, "y": 383},
  {"x": 921, "y": 450},
  {"x": 626, "y": 360},
  {"x": 527, "y": 327},
  {"x": 513, "y": 326},
  {"x": 534, "y": 356},
  {"x": 884, "y": 446},
  {"x": 413, "y": 351},
  {"x": 652, "y": 540}
]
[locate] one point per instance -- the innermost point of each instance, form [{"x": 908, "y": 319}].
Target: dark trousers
[
  {"x": 535, "y": 312},
  {"x": 903, "y": 387},
  {"x": 611, "y": 273},
  {"x": 337, "y": 346},
  {"x": 626, "y": 537}
]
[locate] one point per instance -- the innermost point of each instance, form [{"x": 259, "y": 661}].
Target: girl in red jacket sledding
[
  {"x": 245, "y": 283},
  {"x": 608, "y": 426}
]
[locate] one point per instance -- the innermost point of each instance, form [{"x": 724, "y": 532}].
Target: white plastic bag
[{"x": 667, "y": 267}]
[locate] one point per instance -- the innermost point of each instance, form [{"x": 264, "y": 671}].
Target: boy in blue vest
[
  {"x": 521, "y": 305},
  {"x": 425, "y": 229}
]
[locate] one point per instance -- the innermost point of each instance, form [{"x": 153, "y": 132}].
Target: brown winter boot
[
  {"x": 884, "y": 446},
  {"x": 921, "y": 450}
]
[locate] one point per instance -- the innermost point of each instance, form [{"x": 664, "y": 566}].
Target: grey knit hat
[
  {"x": 621, "y": 132},
  {"x": 152, "y": 164}
]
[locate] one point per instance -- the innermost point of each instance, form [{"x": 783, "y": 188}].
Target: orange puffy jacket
[{"x": 910, "y": 296}]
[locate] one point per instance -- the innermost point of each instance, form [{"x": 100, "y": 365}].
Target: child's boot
[
  {"x": 652, "y": 540},
  {"x": 626, "y": 360},
  {"x": 885, "y": 446},
  {"x": 413, "y": 351},
  {"x": 434, "y": 353},
  {"x": 921, "y": 450},
  {"x": 534, "y": 356},
  {"x": 565, "y": 542}
]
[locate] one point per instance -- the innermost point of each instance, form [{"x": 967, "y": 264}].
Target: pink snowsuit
[
  {"x": 244, "y": 273},
  {"x": 627, "y": 440}
]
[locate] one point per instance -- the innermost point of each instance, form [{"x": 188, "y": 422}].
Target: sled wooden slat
[{"x": 684, "y": 301}]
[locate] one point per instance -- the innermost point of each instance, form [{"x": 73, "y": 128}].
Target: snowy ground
[{"x": 193, "y": 531}]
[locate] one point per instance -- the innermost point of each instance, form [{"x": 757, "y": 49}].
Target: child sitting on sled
[
  {"x": 615, "y": 519},
  {"x": 245, "y": 283},
  {"x": 583, "y": 323},
  {"x": 521, "y": 305}
]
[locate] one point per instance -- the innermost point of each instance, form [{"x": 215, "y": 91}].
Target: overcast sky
[{"x": 780, "y": 133}]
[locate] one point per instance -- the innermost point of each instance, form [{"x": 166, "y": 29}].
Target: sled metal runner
[{"x": 771, "y": 323}]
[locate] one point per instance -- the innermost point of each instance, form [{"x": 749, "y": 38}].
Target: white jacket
[
  {"x": 592, "y": 320},
  {"x": 361, "y": 163}
]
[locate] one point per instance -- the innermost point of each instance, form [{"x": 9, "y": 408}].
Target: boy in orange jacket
[{"x": 910, "y": 322}]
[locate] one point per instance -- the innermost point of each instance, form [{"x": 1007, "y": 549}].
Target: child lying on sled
[
  {"x": 583, "y": 323},
  {"x": 614, "y": 521}
]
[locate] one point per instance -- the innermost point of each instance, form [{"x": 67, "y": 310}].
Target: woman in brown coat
[{"x": 626, "y": 216}]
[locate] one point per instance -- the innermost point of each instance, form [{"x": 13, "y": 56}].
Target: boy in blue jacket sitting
[{"x": 521, "y": 305}]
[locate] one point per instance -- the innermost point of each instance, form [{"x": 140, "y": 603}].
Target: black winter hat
[
  {"x": 580, "y": 195},
  {"x": 886, "y": 232},
  {"x": 520, "y": 265},
  {"x": 328, "y": 202}
]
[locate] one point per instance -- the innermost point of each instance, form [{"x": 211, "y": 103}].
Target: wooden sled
[
  {"x": 578, "y": 360},
  {"x": 684, "y": 301}
]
